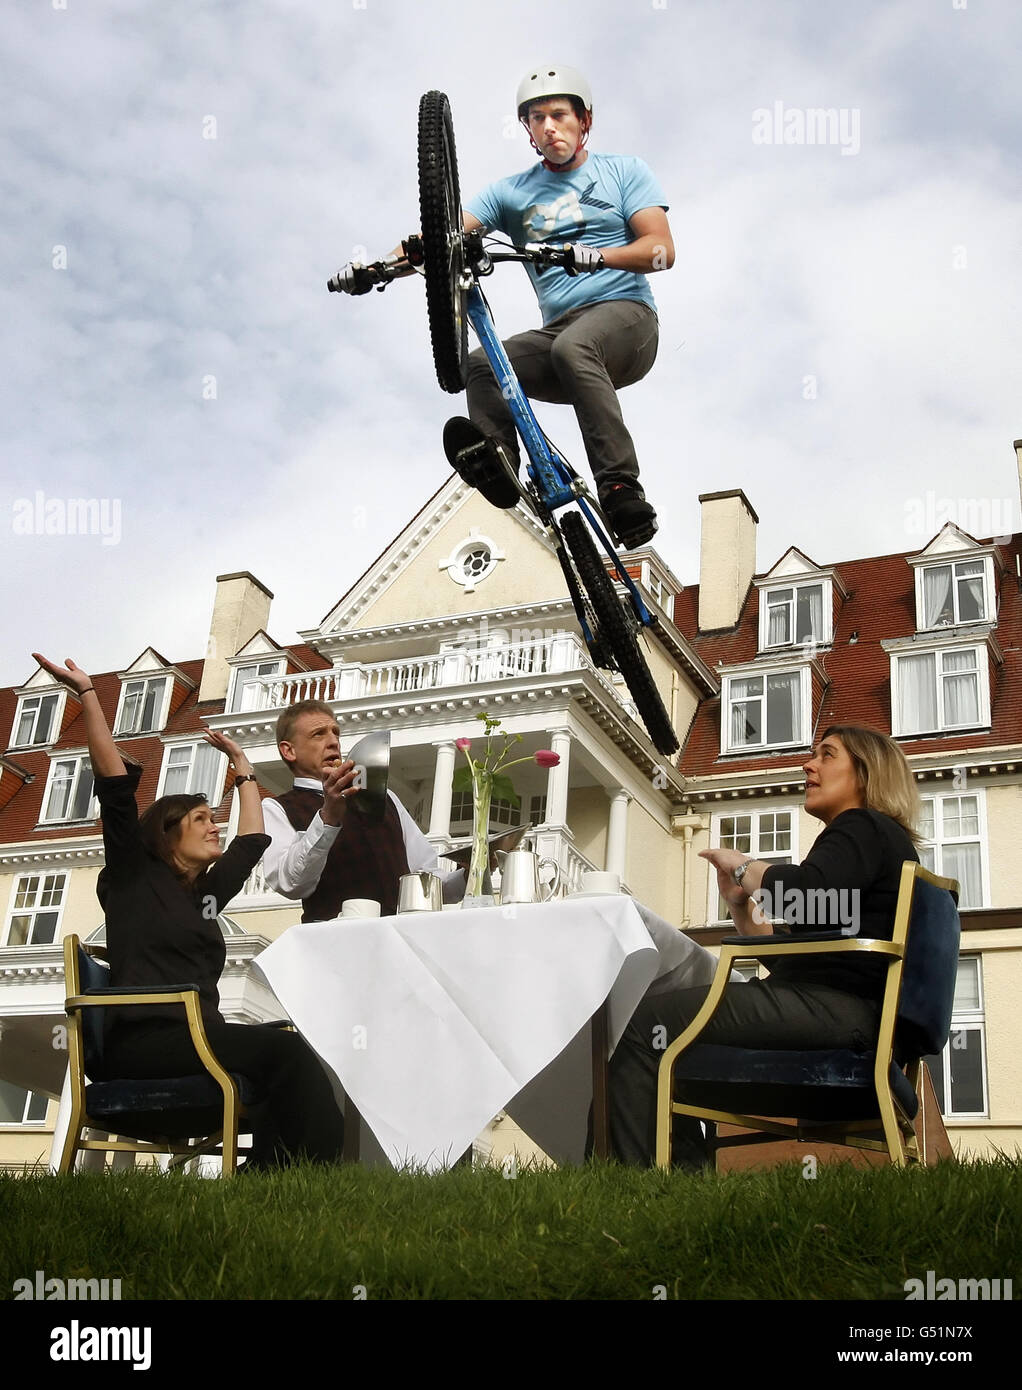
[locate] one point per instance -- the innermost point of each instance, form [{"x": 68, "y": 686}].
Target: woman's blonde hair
[{"x": 884, "y": 774}]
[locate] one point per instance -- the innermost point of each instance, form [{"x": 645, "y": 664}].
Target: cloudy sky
[{"x": 839, "y": 335}]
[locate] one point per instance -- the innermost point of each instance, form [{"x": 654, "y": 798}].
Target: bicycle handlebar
[{"x": 379, "y": 274}]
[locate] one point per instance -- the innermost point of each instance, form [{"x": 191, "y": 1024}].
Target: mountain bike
[{"x": 452, "y": 262}]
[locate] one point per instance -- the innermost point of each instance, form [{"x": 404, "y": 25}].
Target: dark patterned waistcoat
[{"x": 365, "y": 861}]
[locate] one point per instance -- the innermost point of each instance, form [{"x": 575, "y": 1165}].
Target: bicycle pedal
[
  {"x": 474, "y": 453},
  {"x": 481, "y": 462}
]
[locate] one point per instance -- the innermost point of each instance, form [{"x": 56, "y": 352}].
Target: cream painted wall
[
  {"x": 27, "y": 1145},
  {"x": 588, "y": 812},
  {"x": 985, "y": 1143},
  {"x": 1001, "y": 971},
  {"x": 270, "y": 922},
  {"x": 530, "y": 573},
  {"x": 654, "y": 864},
  {"x": 1004, "y": 834},
  {"x": 82, "y": 912}
]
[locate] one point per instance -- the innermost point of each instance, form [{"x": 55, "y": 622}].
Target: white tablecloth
[{"x": 433, "y": 1022}]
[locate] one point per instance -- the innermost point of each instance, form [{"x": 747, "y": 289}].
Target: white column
[
  {"x": 617, "y": 832},
  {"x": 440, "y": 810},
  {"x": 557, "y": 779}
]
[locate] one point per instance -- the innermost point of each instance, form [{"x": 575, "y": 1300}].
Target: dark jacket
[
  {"x": 859, "y": 856},
  {"x": 159, "y": 929}
]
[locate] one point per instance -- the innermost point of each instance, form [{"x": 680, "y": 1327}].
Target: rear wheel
[
  {"x": 443, "y": 249},
  {"x": 616, "y": 631}
]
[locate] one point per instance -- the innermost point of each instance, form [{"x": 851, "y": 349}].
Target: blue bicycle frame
[{"x": 546, "y": 468}]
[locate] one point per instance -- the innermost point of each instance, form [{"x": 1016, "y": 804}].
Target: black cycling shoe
[
  {"x": 630, "y": 515},
  {"x": 481, "y": 461}
]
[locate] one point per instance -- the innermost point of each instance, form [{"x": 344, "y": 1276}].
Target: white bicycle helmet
[{"x": 552, "y": 80}]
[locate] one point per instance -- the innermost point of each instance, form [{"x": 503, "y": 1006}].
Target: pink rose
[
  {"x": 463, "y": 743},
  {"x": 546, "y": 758}
]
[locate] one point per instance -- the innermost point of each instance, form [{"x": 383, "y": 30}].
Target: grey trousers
[
  {"x": 758, "y": 1013},
  {"x": 581, "y": 359}
]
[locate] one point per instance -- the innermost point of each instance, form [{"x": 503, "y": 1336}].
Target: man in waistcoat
[{"x": 323, "y": 852}]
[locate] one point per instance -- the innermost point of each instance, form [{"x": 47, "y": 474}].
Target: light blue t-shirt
[{"x": 591, "y": 204}]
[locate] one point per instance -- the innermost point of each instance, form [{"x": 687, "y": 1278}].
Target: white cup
[
  {"x": 360, "y": 907},
  {"x": 596, "y": 881}
]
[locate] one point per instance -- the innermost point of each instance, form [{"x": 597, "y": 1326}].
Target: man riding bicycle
[
  {"x": 600, "y": 328},
  {"x": 599, "y": 331}
]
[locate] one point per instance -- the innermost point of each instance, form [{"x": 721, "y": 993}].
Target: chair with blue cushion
[
  {"x": 867, "y": 1100},
  {"x": 185, "y": 1116}
]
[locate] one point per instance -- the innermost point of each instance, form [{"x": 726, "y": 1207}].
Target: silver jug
[
  {"x": 421, "y": 892},
  {"x": 520, "y": 881}
]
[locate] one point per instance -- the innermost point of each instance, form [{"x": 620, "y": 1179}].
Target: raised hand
[
  {"x": 103, "y": 754},
  {"x": 69, "y": 675},
  {"x": 235, "y": 753}
]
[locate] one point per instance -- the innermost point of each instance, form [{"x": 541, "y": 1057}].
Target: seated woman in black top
[
  {"x": 164, "y": 883},
  {"x": 859, "y": 784}
]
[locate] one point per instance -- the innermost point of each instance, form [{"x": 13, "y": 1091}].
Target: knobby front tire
[
  {"x": 617, "y": 632},
  {"x": 440, "y": 211}
]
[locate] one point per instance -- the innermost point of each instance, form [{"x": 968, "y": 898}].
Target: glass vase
[{"x": 478, "y": 888}]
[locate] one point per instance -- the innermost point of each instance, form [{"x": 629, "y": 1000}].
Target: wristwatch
[
  {"x": 739, "y": 873},
  {"x": 245, "y": 777}
]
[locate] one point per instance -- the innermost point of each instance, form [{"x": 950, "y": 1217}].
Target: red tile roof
[
  {"x": 21, "y": 804},
  {"x": 880, "y": 605}
]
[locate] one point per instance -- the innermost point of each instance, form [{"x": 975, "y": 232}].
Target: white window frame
[
  {"x": 967, "y": 1020},
  {"x": 982, "y": 654},
  {"x": 239, "y": 686},
  {"x": 194, "y": 744},
  {"x": 953, "y": 561},
  {"x": 159, "y": 715},
  {"x": 32, "y": 1101},
  {"x": 509, "y": 815},
  {"x": 823, "y": 639},
  {"x": 765, "y": 672},
  {"x": 772, "y": 856},
  {"x": 56, "y": 761},
  {"x": 38, "y": 907},
  {"x": 940, "y": 840},
  {"x": 55, "y": 723}
]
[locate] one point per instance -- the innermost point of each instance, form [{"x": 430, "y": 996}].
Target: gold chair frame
[
  {"x": 899, "y": 1140},
  {"x": 224, "y": 1142}
]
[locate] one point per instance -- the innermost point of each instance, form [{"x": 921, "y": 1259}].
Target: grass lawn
[{"x": 595, "y": 1232}]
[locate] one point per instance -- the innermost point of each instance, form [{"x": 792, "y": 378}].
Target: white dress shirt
[{"x": 294, "y": 860}]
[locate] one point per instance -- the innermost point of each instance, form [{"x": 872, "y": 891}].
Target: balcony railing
[
  {"x": 550, "y": 844},
  {"x": 417, "y": 675}
]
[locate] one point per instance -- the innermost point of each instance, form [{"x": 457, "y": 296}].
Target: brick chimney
[
  {"x": 727, "y": 557},
  {"x": 240, "y": 609}
]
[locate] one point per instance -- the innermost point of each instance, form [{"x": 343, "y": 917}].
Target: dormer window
[
  {"x": 954, "y": 593},
  {"x": 37, "y": 719},
  {"x": 796, "y": 603},
  {"x": 142, "y": 707},
  {"x": 765, "y": 709},
  {"x": 794, "y": 615},
  {"x": 956, "y": 581},
  {"x": 248, "y": 693}
]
